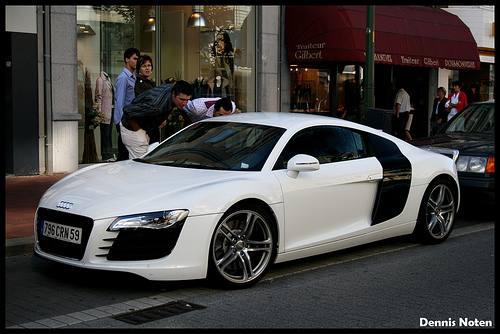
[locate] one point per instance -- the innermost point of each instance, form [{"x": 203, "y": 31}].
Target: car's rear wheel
[
  {"x": 243, "y": 247},
  {"x": 436, "y": 217}
]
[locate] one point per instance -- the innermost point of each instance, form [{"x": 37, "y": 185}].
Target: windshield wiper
[
  {"x": 189, "y": 164},
  {"x": 141, "y": 160}
]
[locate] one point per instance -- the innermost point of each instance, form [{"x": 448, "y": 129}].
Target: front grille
[
  {"x": 59, "y": 247},
  {"x": 142, "y": 244}
]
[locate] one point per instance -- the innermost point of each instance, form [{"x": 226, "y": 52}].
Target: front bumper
[
  {"x": 481, "y": 188},
  {"x": 186, "y": 260}
]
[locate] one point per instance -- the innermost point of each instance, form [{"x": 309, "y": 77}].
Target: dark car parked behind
[{"x": 469, "y": 138}]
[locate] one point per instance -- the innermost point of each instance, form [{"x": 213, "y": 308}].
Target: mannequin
[{"x": 104, "y": 95}]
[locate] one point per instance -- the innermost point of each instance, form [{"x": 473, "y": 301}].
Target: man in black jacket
[
  {"x": 439, "y": 115},
  {"x": 149, "y": 111}
]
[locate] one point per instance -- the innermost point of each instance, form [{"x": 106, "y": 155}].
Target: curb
[{"x": 19, "y": 246}]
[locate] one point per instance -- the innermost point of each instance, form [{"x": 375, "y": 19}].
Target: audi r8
[{"x": 227, "y": 197}]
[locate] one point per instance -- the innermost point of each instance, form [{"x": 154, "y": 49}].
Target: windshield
[
  {"x": 473, "y": 118},
  {"x": 218, "y": 145}
]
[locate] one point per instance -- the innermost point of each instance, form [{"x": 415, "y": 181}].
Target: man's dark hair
[
  {"x": 224, "y": 103},
  {"x": 183, "y": 87},
  {"x": 130, "y": 52}
]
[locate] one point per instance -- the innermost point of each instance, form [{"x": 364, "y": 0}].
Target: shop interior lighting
[
  {"x": 150, "y": 25},
  {"x": 196, "y": 19}
]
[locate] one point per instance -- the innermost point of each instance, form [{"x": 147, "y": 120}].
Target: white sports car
[{"x": 227, "y": 197}]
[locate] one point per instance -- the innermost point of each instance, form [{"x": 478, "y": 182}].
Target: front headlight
[
  {"x": 153, "y": 220},
  {"x": 475, "y": 164}
]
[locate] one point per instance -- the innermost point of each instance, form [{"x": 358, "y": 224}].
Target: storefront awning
[{"x": 404, "y": 35}]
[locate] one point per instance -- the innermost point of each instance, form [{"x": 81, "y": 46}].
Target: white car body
[{"x": 315, "y": 211}]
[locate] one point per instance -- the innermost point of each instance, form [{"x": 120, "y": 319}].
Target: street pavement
[
  {"x": 22, "y": 194},
  {"x": 390, "y": 284}
]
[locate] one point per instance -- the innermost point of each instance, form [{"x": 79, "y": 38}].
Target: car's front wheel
[
  {"x": 243, "y": 247},
  {"x": 436, "y": 217}
]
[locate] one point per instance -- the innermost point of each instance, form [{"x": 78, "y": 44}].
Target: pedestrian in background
[
  {"x": 125, "y": 93},
  {"x": 408, "y": 123},
  {"x": 456, "y": 101},
  {"x": 401, "y": 111},
  {"x": 439, "y": 116}
]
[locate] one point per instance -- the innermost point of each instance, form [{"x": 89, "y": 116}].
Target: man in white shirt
[
  {"x": 401, "y": 108},
  {"x": 203, "y": 108}
]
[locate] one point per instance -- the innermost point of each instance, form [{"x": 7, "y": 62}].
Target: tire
[
  {"x": 243, "y": 247},
  {"x": 436, "y": 216}
]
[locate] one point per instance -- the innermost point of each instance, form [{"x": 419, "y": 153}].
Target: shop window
[
  {"x": 310, "y": 90},
  {"x": 179, "y": 52},
  {"x": 218, "y": 58},
  {"x": 349, "y": 92}
]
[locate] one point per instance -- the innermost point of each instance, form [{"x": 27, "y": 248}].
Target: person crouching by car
[
  {"x": 150, "y": 111},
  {"x": 203, "y": 108}
]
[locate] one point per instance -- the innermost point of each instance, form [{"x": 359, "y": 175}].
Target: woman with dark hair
[
  {"x": 143, "y": 83},
  {"x": 144, "y": 69}
]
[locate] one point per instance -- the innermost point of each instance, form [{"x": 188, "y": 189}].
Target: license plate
[{"x": 61, "y": 232}]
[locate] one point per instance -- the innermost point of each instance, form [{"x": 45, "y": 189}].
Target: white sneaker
[{"x": 111, "y": 159}]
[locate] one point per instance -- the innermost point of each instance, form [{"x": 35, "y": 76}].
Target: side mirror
[{"x": 301, "y": 163}]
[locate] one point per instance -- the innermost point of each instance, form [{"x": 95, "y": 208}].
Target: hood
[
  {"x": 128, "y": 187},
  {"x": 466, "y": 143}
]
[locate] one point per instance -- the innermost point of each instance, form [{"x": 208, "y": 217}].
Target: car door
[{"x": 335, "y": 201}]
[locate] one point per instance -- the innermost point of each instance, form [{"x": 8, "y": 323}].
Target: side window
[
  {"x": 360, "y": 145},
  {"x": 325, "y": 143},
  {"x": 381, "y": 147},
  {"x": 301, "y": 143}
]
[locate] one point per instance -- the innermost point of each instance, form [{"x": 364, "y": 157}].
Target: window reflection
[
  {"x": 310, "y": 90},
  {"x": 217, "y": 59}
]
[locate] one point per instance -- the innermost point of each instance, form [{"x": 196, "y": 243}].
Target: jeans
[{"x": 400, "y": 125}]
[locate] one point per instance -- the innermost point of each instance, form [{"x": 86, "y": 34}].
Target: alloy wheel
[
  {"x": 243, "y": 247},
  {"x": 440, "y": 211}
]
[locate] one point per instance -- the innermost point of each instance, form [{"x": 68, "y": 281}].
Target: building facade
[
  {"x": 425, "y": 46},
  {"x": 56, "y": 54}
]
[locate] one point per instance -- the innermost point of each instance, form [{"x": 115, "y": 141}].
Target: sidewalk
[{"x": 22, "y": 194}]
